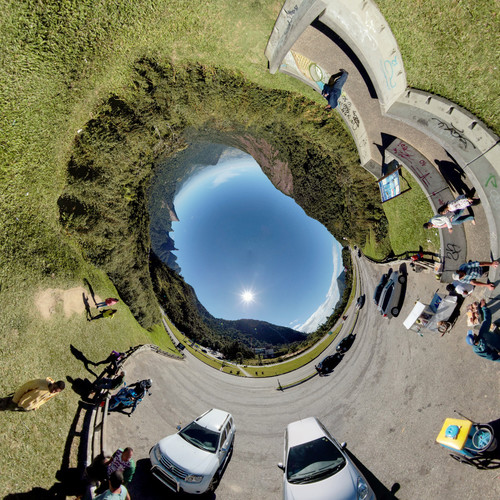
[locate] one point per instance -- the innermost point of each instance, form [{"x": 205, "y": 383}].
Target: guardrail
[{"x": 98, "y": 422}]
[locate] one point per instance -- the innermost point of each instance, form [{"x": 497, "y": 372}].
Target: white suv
[{"x": 193, "y": 459}]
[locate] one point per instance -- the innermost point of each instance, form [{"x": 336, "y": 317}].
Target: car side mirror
[
  {"x": 281, "y": 466},
  {"x": 178, "y": 427},
  {"x": 343, "y": 445}
]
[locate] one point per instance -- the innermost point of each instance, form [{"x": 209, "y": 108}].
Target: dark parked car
[
  {"x": 360, "y": 302},
  {"x": 380, "y": 287},
  {"x": 180, "y": 346},
  {"x": 329, "y": 363},
  {"x": 346, "y": 343},
  {"x": 389, "y": 295}
]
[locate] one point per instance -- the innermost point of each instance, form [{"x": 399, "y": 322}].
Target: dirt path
[{"x": 71, "y": 301}]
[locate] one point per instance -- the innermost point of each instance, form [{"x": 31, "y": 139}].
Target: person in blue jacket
[
  {"x": 485, "y": 343},
  {"x": 333, "y": 90}
]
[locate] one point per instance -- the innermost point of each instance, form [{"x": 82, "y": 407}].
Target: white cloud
[
  {"x": 326, "y": 308},
  {"x": 214, "y": 176},
  {"x": 223, "y": 176}
]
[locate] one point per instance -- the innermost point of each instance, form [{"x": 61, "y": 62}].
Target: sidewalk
[{"x": 375, "y": 133}]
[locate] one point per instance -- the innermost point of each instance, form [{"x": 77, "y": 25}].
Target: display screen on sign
[{"x": 390, "y": 186}]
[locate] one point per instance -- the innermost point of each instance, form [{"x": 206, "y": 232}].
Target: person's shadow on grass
[
  {"x": 91, "y": 290},
  {"x": 81, "y": 357},
  {"x": 69, "y": 487},
  {"x": 88, "y": 312},
  {"x": 81, "y": 386},
  {"x": 6, "y": 404}
]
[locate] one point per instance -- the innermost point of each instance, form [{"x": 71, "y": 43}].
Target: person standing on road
[
  {"x": 116, "y": 491},
  {"x": 333, "y": 90},
  {"x": 115, "y": 359},
  {"x": 472, "y": 270},
  {"x": 485, "y": 343},
  {"x": 122, "y": 461},
  {"x": 109, "y": 383},
  {"x": 463, "y": 289}
]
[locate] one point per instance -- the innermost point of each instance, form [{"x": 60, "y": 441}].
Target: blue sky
[{"x": 237, "y": 233}]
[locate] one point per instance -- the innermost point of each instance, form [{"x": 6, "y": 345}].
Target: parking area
[{"x": 387, "y": 399}]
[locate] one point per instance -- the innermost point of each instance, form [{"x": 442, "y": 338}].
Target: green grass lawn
[
  {"x": 33, "y": 346},
  {"x": 59, "y": 61},
  {"x": 406, "y": 231},
  {"x": 160, "y": 338},
  {"x": 450, "y": 48}
]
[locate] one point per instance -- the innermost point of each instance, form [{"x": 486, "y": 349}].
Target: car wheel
[
  {"x": 394, "y": 311},
  {"x": 402, "y": 279},
  {"x": 214, "y": 483}
]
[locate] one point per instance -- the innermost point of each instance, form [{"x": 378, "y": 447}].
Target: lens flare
[{"x": 247, "y": 296}]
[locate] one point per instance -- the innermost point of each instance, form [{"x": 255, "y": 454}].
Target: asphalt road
[{"x": 387, "y": 399}]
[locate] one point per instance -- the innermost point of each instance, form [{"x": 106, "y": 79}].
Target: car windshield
[
  {"x": 313, "y": 461},
  {"x": 200, "y": 437}
]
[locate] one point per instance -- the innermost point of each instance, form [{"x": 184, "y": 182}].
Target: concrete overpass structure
[{"x": 312, "y": 39}]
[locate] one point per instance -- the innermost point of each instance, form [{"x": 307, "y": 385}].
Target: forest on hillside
[{"x": 105, "y": 203}]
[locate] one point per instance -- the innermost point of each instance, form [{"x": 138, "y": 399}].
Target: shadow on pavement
[
  {"x": 344, "y": 47},
  {"x": 146, "y": 487},
  {"x": 381, "y": 492},
  {"x": 454, "y": 175}
]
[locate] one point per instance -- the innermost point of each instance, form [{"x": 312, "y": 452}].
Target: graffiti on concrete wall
[
  {"x": 351, "y": 115},
  {"x": 389, "y": 70},
  {"x": 421, "y": 169},
  {"x": 493, "y": 180},
  {"x": 454, "y": 132},
  {"x": 493, "y": 195},
  {"x": 303, "y": 66}
]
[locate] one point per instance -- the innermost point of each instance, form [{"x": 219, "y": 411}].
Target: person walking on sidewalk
[
  {"x": 459, "y": 203},
  {"x": 472, "y": 270},
  {"x": 448, "y": 220},
  {"x": 333, "y": 90}
]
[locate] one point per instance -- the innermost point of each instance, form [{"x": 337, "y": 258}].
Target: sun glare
[{"x": 247, "y": 296}]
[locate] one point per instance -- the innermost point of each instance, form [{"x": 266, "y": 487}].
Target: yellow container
[{"x": 458, "y": 442}]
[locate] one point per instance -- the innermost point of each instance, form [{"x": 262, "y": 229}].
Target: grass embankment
[
  {"x": 450, "y": 48},
  {"x": 294, "y": 363},
  {"x": 37, "y": 342},
  {"x": 60, "y": 60},
  {"x": 406, "y": 215},
  {"x": 410, "y": 206}
]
